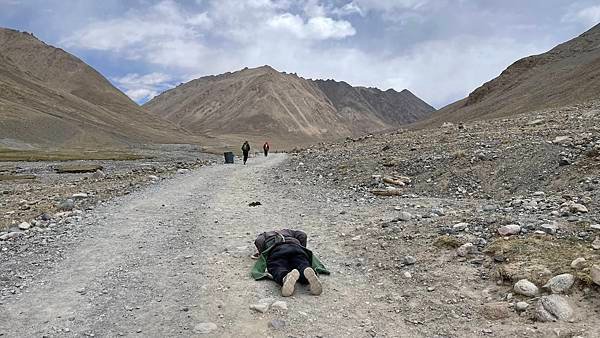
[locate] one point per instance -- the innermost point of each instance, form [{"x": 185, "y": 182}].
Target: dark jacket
[
  {"x": 267, "y": 239},
  {"x": 246, "y": 147}
]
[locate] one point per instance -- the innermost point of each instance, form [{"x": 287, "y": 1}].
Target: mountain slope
[
  {"x": 567, "y": 74},
  {"x": 48, "y": 97},
  {"x": 264, "y": 103}
]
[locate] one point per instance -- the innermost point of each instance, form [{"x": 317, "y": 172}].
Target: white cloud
[
  {"x": 588, "y": 16},
  {"x": 143, "y": 87},
  {"x": 316, "y": 28}
]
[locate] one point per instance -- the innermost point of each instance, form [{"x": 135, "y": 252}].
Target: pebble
[
  {"x": 595, "y": 226},
  {"x": 553, "y": 308},
  {"x": 496, "y": 311},
  {"x": 596, "y": 244},
  {"x": 489, "y": 207},
  {"x": 277, "y": 324},
  {"x": 561, "y": 283},
  {"x": 24, "y": 226},
  {"x": 260, "y": 307},
  {"x": 521, "y": 306},
  {"x": 407, "y": 274},
  {"x": 183, "y": 171},
  {"x": 549, "y": 228},
  {"x": 66, "y": 205},
  {"x": 281, "y": 305},
  {"x": 511, "y": 229},
  {"x": 405, "y": 216},
  {"x": 525, "y": 288},
  {"x": 460, "y": 226},
  {"x": 578, "y": 263},
  {"x": 98, "y": 175},
  {"x": 80, "y": 195},
  {"x": 409, "y": 260},
  {"x": 465, "y": 249},
  {"x": 595, "y": 274},
  {"x": 205, "y": 328}
]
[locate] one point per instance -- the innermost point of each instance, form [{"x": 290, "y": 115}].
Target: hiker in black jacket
[
  {"x": 284, "y": 255},
  {"x": 245, "y": 150},
  {"x": 266, "y": 148}
]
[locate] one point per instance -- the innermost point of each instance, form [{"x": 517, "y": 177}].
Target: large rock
[
  {"x": 553, "y": 308},
  {"x": 578, "y": 263},
  {"x": 24, "y": 226},
  {"x": 465, "y": 249},
  {"x": 510, "y": 229},
  {"x": 66, "y": 205},
  {"x": 573, "y": 207},
  {"x": 595, "y": 274},
  {"x": 526, "y": 288},
  {"x": 561, "y": 283}
]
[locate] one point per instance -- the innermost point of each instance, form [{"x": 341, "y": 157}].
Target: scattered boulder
[
  {"x": 510, "y": 229},
  {"x": 578, "y": 263},
  {"x": 405, "y": 216},
  {"x": 465, "y": 249},
  {"x": 205, "y": 328},
  {"x": 573, "y": 207},
  {"x": 460, "y": 226},
  {"x": 80, "y": 195},
  {"x": 553, "y": 308},
  {"x": 409, "y": 260},
  {"x": 280, "y": 305},
  {"x": 596, "y": 244},
  {"x": 549, "y": 228},
  {"x": 521, "y": 306},
  {"x": 496, "y": 311},
  {"x": 66, "y": 205},
  {"x": 525, "y": 288},
  {"x": 277, "y": 324},
  {"x": 183, "y": 171},
  {"x": 260, "y": 307},
  {"x": 595, "y": 274},
  {"x": 24, "y": 226},
  {"x": 99, "y": 174},
  {"x": 561, "y": 283}
]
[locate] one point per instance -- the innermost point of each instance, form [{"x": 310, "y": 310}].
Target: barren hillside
[
  {"x": 567, "y": 74},
  {"x": 263, "y": 102},
  {"x": 51, "y": 98}
]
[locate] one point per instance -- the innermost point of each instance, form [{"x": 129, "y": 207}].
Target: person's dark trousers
[
  {"x": 284, "y": 258},
  {"x": 266, "y": 153},
  {"x": 245, "y": 156}
]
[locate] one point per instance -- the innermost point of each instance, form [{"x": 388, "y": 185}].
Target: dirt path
[{"x": 170, "y": 259}]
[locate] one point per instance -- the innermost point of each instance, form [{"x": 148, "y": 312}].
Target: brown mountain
[
  {"x": 263, "y": 103},
  {"x": 48, "y": 97},
  {"x": 567, "y": 74}
]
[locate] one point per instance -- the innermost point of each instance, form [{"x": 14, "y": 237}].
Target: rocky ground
[{"x": 481, "y": 229}]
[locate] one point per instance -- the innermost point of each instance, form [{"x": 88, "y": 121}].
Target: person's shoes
[
  {"x": 313, "y": 281},
  {"x": 289, "y": 283}
]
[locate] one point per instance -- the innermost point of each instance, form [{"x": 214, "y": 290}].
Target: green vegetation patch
[{"x": 13, "y": 155}]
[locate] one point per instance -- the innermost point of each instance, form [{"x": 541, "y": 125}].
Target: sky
[{"x": 439, "y": 49}]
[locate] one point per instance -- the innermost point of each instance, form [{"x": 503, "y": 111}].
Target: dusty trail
[{"x": 175, "y": 255}]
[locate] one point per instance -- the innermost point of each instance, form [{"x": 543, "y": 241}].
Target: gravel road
[{"x": 173, "y": 260}]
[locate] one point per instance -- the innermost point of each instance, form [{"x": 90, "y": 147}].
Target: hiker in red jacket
[
  {"x": 284, "y": 255},
  {"x": 266, "y": 148}
]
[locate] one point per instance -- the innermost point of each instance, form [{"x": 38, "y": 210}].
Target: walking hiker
[
  {"x": 266, "y": 148},
  {"x": 282, "y": 256},
  {"x": 245, "y": 150}
]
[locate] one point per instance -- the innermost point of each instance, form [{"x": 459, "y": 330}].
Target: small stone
[
  {"x": 45, "y": 217},
  {"x": 596, "y": 244},
  {"x": 24, "y": 226},
  {"x": 277, "y": 324},
  {"x": 561, "y": 283},
  {"x": 496, "y": 311},
  {"x": 595, "y": 226},
  {"x": 465, "y": 249},
  {"x": 564, "y": 161},
  {"x": 521, "y": 306},
  {"x": 260, "y": 307},
  {"x": 489, "y": 207},
  {"x": 80, "y": 195},
  {"x": 205, "y": 328},
  {"x": 405, "y": 216},
  {"x": 431, "y": 288},
  {"x": 280, "y": 305},
  {"x": 553, "y": 308},
  {"x": 525, "y": 288},
  {"x": 407, "y": 274},
  {"x": 99, "y": 174},
  {"x": 511, "y": 229},
  {"x": 549, "y": 228},
  {"x": 595, "y": 274},
  {"x": 66, "y": 205},
  {"x": 409, "y": 260},
  {"x": 460, "y": 226},
  {"x": 578, "y": 263}
]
